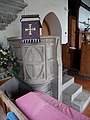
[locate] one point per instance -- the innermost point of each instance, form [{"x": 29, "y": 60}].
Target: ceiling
[
  {"x": 87, "y": 2},
  {"x": 9, "y": 10}
]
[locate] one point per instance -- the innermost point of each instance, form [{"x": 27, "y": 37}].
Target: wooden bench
[{"x": 8, "y": 105}]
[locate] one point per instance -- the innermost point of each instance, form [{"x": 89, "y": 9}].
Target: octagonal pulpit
[{"x": 41, "y": 64}]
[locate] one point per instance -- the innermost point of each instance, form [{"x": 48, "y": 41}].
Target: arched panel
[{"x": 51, "y": 25}]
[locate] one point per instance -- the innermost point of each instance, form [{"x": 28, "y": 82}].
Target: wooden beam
[{"x": 85, "y": 6}]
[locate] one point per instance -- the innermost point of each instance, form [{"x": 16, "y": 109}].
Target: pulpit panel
[{"x": 34, "y": 63}]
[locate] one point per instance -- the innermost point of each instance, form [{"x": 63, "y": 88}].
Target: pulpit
[{"x": 41, "y": 64}]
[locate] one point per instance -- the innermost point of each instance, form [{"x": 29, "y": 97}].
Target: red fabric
[{"x": 40, "y": 106}]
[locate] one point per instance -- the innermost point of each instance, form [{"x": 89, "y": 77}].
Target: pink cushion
[{"x": 40, "y": 106}]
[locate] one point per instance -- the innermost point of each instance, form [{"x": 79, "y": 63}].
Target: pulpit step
[
  {"x": 67, "y": 81},
  {"x": 65, "y": 71},
  {"x": 81, "y": 101},
  {"x": 70, "y": 93}
]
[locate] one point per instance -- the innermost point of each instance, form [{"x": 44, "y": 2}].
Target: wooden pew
[{"x": 8, "y": 105}]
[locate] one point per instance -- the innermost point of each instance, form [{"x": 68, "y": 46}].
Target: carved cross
[{"x": 30, "y": 29}]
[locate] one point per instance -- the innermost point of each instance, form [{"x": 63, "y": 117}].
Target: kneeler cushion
[
  {"x": 11, "y": 116},
  {"x": 40, "y": 106}
]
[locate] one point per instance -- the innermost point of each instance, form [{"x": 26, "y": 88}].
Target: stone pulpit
[{"x": 41, "y": 64}]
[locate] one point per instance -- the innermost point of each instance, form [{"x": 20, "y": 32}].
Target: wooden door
[
  {"x": 45, "y": 28},
  {"x": 72, "y": 31}
]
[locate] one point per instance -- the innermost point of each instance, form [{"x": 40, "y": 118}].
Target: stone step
[
  {"x": 64, "y": 71},
  {"x": 81, "y": 101},
  {"x": 70, "y": 93},
  {"x": 67, "y": 81}
]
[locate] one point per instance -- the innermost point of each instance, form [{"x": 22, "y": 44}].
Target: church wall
[{"x": 41, "y": 7}]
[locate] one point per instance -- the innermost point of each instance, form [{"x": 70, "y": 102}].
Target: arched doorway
[{"x": 51, "y": 25}]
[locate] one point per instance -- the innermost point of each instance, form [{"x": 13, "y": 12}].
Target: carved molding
[
  {"x": 35, "y": 63},
  {"x": 9, "y": 10},
  {"x": 3, "y": 26},
  {"x": 6, "y": 17}
]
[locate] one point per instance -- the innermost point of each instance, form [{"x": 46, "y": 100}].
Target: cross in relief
[{"x": 30, "y": 29}]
